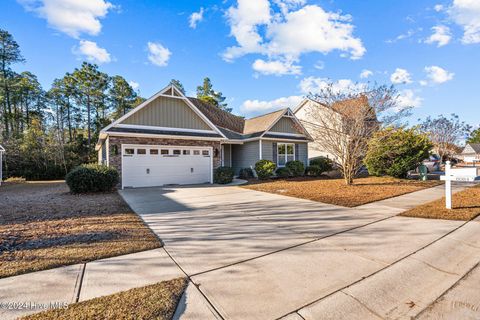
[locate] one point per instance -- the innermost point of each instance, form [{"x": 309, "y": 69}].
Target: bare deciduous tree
[
  {"x": 341, "y": 122},
  {"x": 445, "y": 133}
]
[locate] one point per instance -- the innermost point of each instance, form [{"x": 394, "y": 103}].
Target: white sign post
[
  {"x": 466, "y": 174},
  {"x": 448, "y": 185}
]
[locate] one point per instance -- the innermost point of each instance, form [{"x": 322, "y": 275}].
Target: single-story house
[
  {"x": 174, "y": 139},
  {"x": 471, "y": 153}
]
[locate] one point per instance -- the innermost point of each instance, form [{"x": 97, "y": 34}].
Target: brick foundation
[{"x": 115, "y": 152}]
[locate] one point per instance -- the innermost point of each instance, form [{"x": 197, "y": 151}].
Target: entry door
[{"x": 149, "y": 166}]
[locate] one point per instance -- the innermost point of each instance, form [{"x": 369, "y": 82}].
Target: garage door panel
[{"x": 144, "y": 170}]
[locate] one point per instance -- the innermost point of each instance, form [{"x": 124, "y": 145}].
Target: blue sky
[{"x": 262, "y": 54}]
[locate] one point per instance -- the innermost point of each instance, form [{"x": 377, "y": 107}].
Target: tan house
[{"x": 174, "y": 139}]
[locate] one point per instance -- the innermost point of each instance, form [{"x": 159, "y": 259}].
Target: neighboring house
[
  {"x": 174, "y": 139},
  {"x": 471, "y": 153},
  {"x": 333, "y": 119}
]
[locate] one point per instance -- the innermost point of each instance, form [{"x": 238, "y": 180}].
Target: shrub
[
  {"x": 395, "y": 151},
  {"x": 313, "y": 171},
  {"x": 223, "y": 175},
  {"x": 246, "y": 173},
  {"x": 265, "y": 168},
  {"x": 324, "y": 164},
  {"x": 92, "y": 178},
  {"x": 283, "y": 172},
  {"x": 296, "y": 168}
]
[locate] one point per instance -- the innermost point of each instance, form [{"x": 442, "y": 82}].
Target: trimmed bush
[
  {"x": 246, "y": 173},
  {"x": 283, "y": 172},
  {"x": 295, "y": 167},
  {"x": 395, "y": 151},
  {"x": 313, "y": 171},
  {"x": 92, "y": 178},
  {"x": 265, "y": 168},
  {"x": 223, "y": 175},
  {"x": 324, "y": 164}
]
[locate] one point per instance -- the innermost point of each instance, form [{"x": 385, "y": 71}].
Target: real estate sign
[{"x": 466, "y": 174}]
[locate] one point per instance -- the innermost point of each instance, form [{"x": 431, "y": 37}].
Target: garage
[{"x": 149, "y": 166}]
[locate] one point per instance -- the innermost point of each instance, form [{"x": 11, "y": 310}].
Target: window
[
  {"x": 141, "y": 151},
  {"x": 164, "y": 151},
  {"x": 176, "y": 152},
  {"x": 196, "y": 152},
  {"x": 154, "y": 151},
  {"x": 186, "y": 152},
  {"x": 129, "y": 151},
  {"x": 285, "y": 153},
  {"x": 205, "y": 153}
]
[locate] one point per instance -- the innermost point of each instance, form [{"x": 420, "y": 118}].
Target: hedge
[
  {"x": 92, "y": 178},
  {"x": 223, "y": 175}
]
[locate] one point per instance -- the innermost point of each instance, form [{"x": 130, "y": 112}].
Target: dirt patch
[
  {"x": 43, "y": 226},
  {"x": 334, "y": 191},
  {"x": 465, "y": 206},
  {"x": 157, "y": 301}
]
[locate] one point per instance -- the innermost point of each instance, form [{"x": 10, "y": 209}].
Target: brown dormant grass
[{"x": 42, "y": 226}]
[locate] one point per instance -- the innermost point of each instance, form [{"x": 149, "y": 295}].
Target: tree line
[{"x": 48, "y": 132}]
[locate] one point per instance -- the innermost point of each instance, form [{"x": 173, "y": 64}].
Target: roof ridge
[{"x": 266, "y": 114}]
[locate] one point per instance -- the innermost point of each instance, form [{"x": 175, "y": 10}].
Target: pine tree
[{"x": 206, "y": 93}]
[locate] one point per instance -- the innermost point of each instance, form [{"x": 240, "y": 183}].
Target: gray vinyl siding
[
  {"x": 303, "y": 153},
  {"x": 167, "y": 112},
  {"x": 226, "y": 155},
  {"x": 244, "y": 155},
  {"x": 284, "y": 125},
  {"x": 267, "y": 150}
]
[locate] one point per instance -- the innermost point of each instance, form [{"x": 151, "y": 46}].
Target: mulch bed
[
  {"x": 43, "y": 226},
  {"x": 334, "y": 191}
]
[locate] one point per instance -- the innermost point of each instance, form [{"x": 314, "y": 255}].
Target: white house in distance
[{"x": 471, "y": 153}]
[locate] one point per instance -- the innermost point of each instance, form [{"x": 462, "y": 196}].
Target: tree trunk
[{"x": 88, "y": 122}]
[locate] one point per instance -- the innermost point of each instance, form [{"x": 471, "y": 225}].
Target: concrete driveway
[{"x": 254, "y": 255}]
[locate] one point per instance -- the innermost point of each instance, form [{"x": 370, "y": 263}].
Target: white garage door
[{"x": 149, "y": 166}]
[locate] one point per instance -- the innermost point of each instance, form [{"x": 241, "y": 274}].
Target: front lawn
[
  {"x": 465, "y": 206},
  {"x": 43, "y": 226},
  {"x": 157, "y": 301},
  {"x": 334, "y": 191}
]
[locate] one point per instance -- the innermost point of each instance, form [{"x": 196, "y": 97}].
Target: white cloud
[
  {"x": 438, "y": 7},
  {"x": 158, "y": 54},
  {"x": 92, "y": 52},
  {"x": 400, "y": 76},
  {"x": 276, "y": 67},
  {"x": 407, "y": 98},
  {"x": 441, "y": 35},
  {"x": 253, "y": 107},
  {"x": 315, "y": 85},
  {"x": 195, "y": 18},
  {"x": 133, "y": 84},
  {"x": 437, "y": 75},
  {"x": 466, "y": 13},
  {"x": 72, "y": 17},
  {"x": 365, "y": 74},
  {"x": 259, "y": 28}
]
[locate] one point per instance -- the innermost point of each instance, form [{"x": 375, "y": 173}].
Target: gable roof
[
  {"x": 475, "y": 147},
  {"x": 227, "y": 125}
]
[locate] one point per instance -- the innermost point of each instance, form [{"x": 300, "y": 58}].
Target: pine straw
[
  {"x": 334, "y": 191},
  {"x": 465, "y": 206},
  {"x": 42, "y": 226},
  {"x": 157, "y": 301}
]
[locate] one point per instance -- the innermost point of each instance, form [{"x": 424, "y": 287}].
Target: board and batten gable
[
  {"x": 286, "y": 125},
  {"x": 167, "y": 112},
  {"x": 245, "y": 155}
]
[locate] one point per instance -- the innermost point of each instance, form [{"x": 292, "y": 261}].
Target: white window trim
[{"x": 286, "y": 154}]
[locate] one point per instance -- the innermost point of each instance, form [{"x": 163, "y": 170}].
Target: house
[
  {"x": 471, "y": 153},
  {"x": 174, "y": 139},
  {"x": 321, "y": 120}
]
